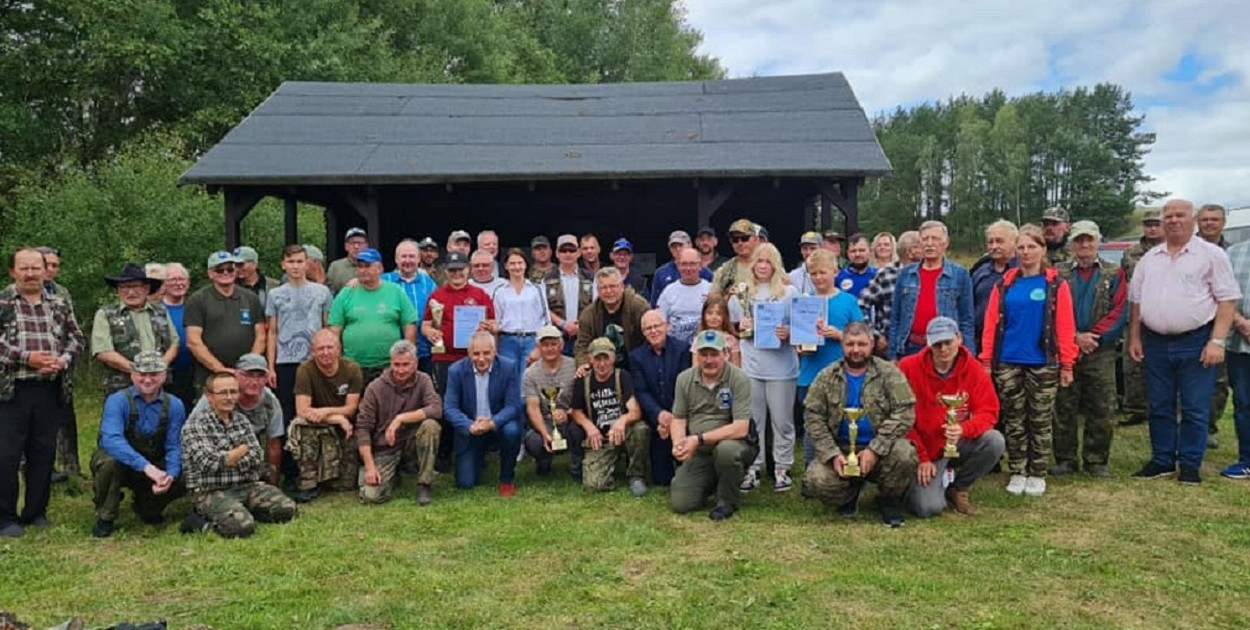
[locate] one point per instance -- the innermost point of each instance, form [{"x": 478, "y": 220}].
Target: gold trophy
[
  {"x": 436, "y": 316},
  {"x": 851, "y": 467},
  {"x": 558, "y": 443},
  {"x": 744, "y": 301},
  {"x": 952, "y": 402}
]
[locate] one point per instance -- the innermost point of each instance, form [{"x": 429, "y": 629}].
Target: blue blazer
[
  {"x": 504, "y": 392},
  {"x": 655, "y": 377}
]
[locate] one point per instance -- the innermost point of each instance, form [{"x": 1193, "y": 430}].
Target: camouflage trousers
[
  {"x": 322, "y": 454},
  {"x": 893, "y": 473},
  {"x": 109, "y": 477},
  {"x": 422, "y": 445},
  {"x": 1026, "y": 397},
  {"x": 232, "y": 512},
  {"x": 1092, "y": 378},
  {"x": 1134, "y": 402},
  {"x": 599, "y": 467},
  {"x": 67, "y": 441},
  {"x": 718, "y": 468}
]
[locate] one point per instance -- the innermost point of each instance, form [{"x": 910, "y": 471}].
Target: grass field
[{"x": 1114, "y": 553}]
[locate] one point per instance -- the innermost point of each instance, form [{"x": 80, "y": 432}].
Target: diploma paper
[
  {"x": 464, "y": 321},
  {"x": 768, "y": 316},
  {"x": 805, "y": 312}
]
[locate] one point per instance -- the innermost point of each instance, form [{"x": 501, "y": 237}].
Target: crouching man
[{"x": 399, "y": 413}]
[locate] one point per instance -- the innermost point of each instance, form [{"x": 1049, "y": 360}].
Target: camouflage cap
[
  {"x": 549, "y": 332},
  {"x": 1085, "y": 228},
  {"x": 1056, "y": 213},
  {"x": 809, "y": 238},
  {"x": 252, "y": 362},
  {"x": 709, "y": 339},
  {"x": 601, "y": 346},
  {"x": 1152, "y": 214},
  {"x": 742, "y": 226},
  {"x": 148, "y": 362}
]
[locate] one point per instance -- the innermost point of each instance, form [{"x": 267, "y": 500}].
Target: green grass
[{"x": 1091, "y": 554}]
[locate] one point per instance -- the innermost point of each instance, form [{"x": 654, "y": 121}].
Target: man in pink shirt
[{"x": 1182, "y": 295}]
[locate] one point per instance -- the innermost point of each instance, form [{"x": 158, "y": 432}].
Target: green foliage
[{"x": 971, "y": 161}]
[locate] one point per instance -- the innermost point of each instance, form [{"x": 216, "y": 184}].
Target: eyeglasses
[
  {"x": 567, "y": 250},
  {"x": 176, "y": 280},
  {"x": 652, "y": 327},
  {"x": 226, "y": 393},
  {"x": 740, "y": 239},
  {"x": 224, "y": 269}
]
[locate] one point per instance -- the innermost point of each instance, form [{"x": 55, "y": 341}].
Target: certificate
[
  {"x": 805, "y": 314},
  {"x": 768, "y": 316},
  {"x": 464, "y": 321}
]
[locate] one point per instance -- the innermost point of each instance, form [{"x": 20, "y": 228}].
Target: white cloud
[{"x": 897, "y": 52}]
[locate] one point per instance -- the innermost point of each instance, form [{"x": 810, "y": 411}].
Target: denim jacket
[{"x": 954, "y": 300}]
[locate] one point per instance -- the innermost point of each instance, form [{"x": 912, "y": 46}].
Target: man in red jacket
[{"x": 946, "y": 367}]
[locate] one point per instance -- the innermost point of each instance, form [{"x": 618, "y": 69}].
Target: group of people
[{"x": 255, "y": 394}]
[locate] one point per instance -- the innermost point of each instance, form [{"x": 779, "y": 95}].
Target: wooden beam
[
  {"x": 850, "y": 192},
  {"x": 334, "y": 235},
  {"x": 239, "y": 202},
  {"x": 709, "y": 203},
  {"x": 290, "y": 220}
]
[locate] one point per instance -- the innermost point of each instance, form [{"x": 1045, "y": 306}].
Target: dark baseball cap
[{"x": 457, "y": 260}]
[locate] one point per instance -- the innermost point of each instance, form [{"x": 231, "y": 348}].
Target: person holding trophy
[
  {"x": 956, "y": 410},
  {"x": 547, "y": 387},
  {"x": 859, "y": 411}
]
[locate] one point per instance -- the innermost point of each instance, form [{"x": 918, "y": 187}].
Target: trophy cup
[
  {"x": 952, "y": 401},
  {"x": 558, "y": 443},
  {"x": 436, "y": 316},
  {"x": 744, "y": 301},
  {"x": 851, "y": 467}
]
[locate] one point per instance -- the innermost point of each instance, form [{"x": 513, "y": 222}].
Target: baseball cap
[
  {"x": 246, "y": 254},
  {"x": 833, "y": 235},
  {"x": 149, "y": 362},
  {"x": 707, "y": 229},
  {"x": 1152, "y": 214},
  {"x": 761, "y": 231},
  {"x": 566, "y": 239},
  {"x": 940, "y": 329},
  {"x": 251, "y": 362},
  {"x": 221, "y": 258},
  {"x": 369, "y": 255},
  {"x": 549, "y": 332},
  {"x": 601, "y": 345},
  {"x": 540, "y": 241},
  {"x": 456, "y": 260},
  {"x": 709, "y": 339},
  {"x": 679, "y": 236},
  {"x": 623, "y": 243},
  {"x": 809, "y": 238},
  {"x": 742, "y": 226},
  {"x": 355, "y": 232},
  {"x": 1085, "y": 228},
  {"x": 427, "y": 243},
  {"x": 459, "y": 235},
  {"x": 1055, "y": 213},
  {"x": 314, "y": 252}
]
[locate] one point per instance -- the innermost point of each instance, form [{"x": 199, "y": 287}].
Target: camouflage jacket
[
  {"x": 886, "y": 399},
  {"x": 125, "y": 337},
  {"x": 1059, "y": 254},
  {"x": 726, "y": 277},
  {"x": 1128, "y": 262}
]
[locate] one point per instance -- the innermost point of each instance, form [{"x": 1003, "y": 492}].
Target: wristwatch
[
  {"x": 701, "y": 442},
  {"x": 1223, "y": 343}
]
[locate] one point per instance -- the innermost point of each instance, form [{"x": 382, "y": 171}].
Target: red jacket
[
  {"x": 1059, "y": 324},
  {"x": 979, "y": 414}
]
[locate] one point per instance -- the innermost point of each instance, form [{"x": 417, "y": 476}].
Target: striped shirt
[{"x": 1239, "y": 257}]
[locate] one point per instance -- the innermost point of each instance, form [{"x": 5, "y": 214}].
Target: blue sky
[{"x": 1185, "y": 62}]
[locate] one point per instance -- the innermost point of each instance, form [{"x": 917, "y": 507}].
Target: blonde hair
[
  {"x": 767, "y": 251},
  {"x": 886, "y": 236},
  {"x": 822, "y": 258},
  {"x": 1035, "y": 234}
]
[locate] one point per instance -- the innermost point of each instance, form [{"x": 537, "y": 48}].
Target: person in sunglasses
[
  {"x": 223, "y": 320},
  {"x": 745, "y": 237}
]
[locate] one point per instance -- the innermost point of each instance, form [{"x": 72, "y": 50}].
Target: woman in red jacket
[{"x": 1029, "y": 345}]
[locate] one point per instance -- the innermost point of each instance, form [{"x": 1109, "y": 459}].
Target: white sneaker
[
  {"x": 750, "y": 481},
  {"x": 1035, "y": 486},
  {"x": 1016, "y": 485}
]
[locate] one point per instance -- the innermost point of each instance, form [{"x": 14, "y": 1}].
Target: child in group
[{"x": 716, "y": 317}]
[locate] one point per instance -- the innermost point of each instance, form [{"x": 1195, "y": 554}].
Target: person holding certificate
[{"x": 768, "y": 359}]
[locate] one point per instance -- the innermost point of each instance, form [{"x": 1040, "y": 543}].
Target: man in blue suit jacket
[
  {"x": 484, "y": 405},
  {"x": 654, "y": 368}
]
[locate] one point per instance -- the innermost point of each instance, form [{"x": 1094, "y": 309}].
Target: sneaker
[
  {"x": 1063, "y": 468},
  {"x": 1034, "y": 486},
  {"x": 507, "y": 490},
  {"x": 783, "y": 482},
  {"x": 958, "y": 500},
  {"x": 1098, "y": 471},
  {"x": 637, "y": 486},
  {"x": 750, "y": 481},
  {"x": 194, "y": 524},
  {"x": 102, "y": 529},
  {"x": 1016, "y": 485},
  {"x": 721, "y": 512},
  {"x": 425, "y": 494},
  {"x": 12, "y": 530},
  {"x": 305, "y": 496},
  {"x": 1237, "y": 471},
  {"x": 1189, "y": 476},
  {"x": 891, "y": 513},
  {"x": 1154, "y": 471}
]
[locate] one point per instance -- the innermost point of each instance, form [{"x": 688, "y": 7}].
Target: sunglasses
[
  {"x": 567, "y": 250},
  {"x": 224, "y": 269},
  {"x": 739, "y": 239}
]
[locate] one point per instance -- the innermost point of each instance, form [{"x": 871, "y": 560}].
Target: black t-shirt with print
[{"x": 605, "y": 405}]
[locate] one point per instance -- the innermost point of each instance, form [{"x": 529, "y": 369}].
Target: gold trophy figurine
[
  {"x": 558, "y": 443},
  {"x": 744, "y": 301},
  {"x": 436, "y": 316},
  {"x": 851, "y": 467},
  {"x": 952, "y": 402}
]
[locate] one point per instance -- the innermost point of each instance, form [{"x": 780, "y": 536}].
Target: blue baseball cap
[
  {"x": 369, "y": 255},
  {"x": 623, "y": 243}
]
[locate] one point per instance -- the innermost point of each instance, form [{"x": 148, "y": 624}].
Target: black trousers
[
  {"x": 286, "y": 397},
  {"x": 28, "y": 426}
]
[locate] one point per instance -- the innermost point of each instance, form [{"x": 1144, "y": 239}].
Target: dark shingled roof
[{"x": 367, "y": 133}]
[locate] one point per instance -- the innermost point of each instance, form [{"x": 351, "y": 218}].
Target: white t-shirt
[
  {"x": 766, "y": 364},
  {"x": 682, "y": 305}
]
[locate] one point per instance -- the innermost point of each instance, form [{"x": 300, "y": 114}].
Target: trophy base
[
  {"x": 950, "y": 452},
  {"x": 807, "y": 348},
  {"x": 438, "y": 349},
  {"x": 851, "y": 470},
  {"x": 559, "y": 444}
]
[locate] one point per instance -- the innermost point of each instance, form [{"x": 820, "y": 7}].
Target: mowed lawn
[{"x": 1115, "y": 553}]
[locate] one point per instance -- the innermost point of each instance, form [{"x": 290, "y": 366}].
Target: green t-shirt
[{"x": 372, "y": 321}]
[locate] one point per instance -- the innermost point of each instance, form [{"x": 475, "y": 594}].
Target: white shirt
[
  {"x": 571, "y": 284},
  {"x": 682, "y": 305},
  {"x": 801, "y": 280},
  {"x": 481, "y": 380},
  {"x": 523, "y": 312},
  {"x": 489, "y": 287}
]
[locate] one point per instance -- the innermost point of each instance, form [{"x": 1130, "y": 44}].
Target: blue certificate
[
  {"x": 768, "y": 316},
  {"x": 464, "y": 322},
  {"x": 805, "y": 314}
]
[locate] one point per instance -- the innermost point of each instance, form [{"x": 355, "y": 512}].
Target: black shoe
[
  {"x": 194, "y": 523},
  {"x": 1133, "y": 420},
  {"x": 891, "y": 513},
  {"x": 1062, "y": 468},
  {"x": 11, "y": 530},
  {"x": 442, "y": 464},
  {"x": 577, "y": 476},
  {"x": 304, "y": 496},
  {"x": 152, "y": 519},
  {"x": 851, "y": 507},
  {"x": 542, "y": 469},
  {"x": 409, "y": 466},
  {"x": 721, "y": 512},
  {"x": 40, "y": 521},
  {"x": 1154, "y": 471},
  {"x": 1189, "y": 476},
  {"x": 102, "y": 529},
  {"x": 425, "y": 494}
]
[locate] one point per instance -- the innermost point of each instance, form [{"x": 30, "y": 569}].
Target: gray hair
[
  {"x": 857, "y": 328},
  {"x": 154, "y": 270},
  {"x": 402, "y": 347},
  {"x": 1003, "y": 225},
  {"x": 934, "y": 225},
  {"x": 1213, "y": 207},
  {"x": 484, "y": 233},
  {"x": 481, "y": 253},
  {"x": 176, "y": 266},
  {"x": 607, "y": 273},
  {"x": 483, "y": 337},
  {"x": 910, "y": 238}
]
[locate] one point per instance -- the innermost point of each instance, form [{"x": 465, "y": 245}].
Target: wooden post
[
  {"x": 239, "y": 202},
  {"x": 290, "y": 220},
  {"x": 709, "y": 202},
  {"x": 850, "y": 208}
]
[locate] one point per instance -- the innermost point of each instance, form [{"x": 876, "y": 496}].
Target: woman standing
[
  {"x": 773, "y": 371},
  {"x": 1029, "y": 344},
  {"x": 521, "y": 309},
  {"x": 884, "y": 250},
  {"x": 716, "y": 317}
]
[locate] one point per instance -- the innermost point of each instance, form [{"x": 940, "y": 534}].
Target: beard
[{"x": 855, "y": 364}]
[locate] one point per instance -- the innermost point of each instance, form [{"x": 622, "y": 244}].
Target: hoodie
[{"x": 979, "y": 413}]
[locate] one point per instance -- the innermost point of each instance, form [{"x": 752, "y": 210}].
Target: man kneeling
[
  {"x": 604, "y": 407},
  {"x": 223, "y": 463},
  {"x": 399, "y": 413}
]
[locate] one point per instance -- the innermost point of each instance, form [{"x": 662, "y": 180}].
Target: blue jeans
[
  {"x": 471, "y": 454},
  {"x": 1173, "y": 366},
  {"x": 517, "y": 348},
  {"x": 1239, "y": 381}
]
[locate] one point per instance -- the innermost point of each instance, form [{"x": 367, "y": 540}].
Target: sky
[{"x": 1186, "y": 63}]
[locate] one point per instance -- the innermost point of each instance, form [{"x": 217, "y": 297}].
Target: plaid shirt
[
  {"x": 205, "y": 442},
  {"x": 875, "y": 299},
  {"x": 1239, "y": 257},
  {"x": 48, "y": 326}
]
